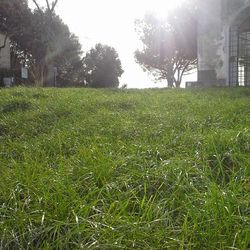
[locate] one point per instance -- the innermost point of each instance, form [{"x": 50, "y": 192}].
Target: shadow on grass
[{"x": 16, "y": 106}]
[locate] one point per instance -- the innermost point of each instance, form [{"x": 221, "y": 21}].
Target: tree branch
[
  {"x": 51, "y": 9},
  {"x": 48, "y": 6},
  {"x": 54, "y": 5},
  {"x": 184, "y": 69},
  {"x": 37, "y": 6}
]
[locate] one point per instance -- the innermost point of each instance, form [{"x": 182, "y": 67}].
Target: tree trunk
[
  {"x": 170, "y": 82},
  {"x": 178, "y": 84}
]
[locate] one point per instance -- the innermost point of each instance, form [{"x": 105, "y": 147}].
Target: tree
[
  {"x": 102, "y": 67},
  {"x": 39, "y": 39},
  {"x": 54, "y": 44},
  {"x": 15, "y": 20},
  {"x": 57, "y": 46},
  {"x": 169, "y": 45},
  {"x": 50, "y": 6},
  {"x": 14, "y": 15}
]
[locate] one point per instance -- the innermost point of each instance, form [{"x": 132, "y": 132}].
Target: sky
[{"x": 111, "y": 22}]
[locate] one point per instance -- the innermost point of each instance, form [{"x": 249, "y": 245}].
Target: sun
[{"x": 160, "y": 7}]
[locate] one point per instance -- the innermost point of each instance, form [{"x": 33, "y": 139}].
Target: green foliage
[
  {"x": 102, "y": 67},
  {"x": 15, "y": 18},
  {"x": 169, "y": 45},
  {"x": 57, "y": 47},
  {"x": 15, "y": 22},
  {"x": 124, "y": 169},
  {"x": 40, "y": 39}
]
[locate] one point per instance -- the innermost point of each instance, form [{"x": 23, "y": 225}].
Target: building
[
  {"x": 5, "y": 62},
  {"x": 224, "y": 42}
]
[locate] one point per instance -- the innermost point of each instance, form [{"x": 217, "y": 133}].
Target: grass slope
[{"x": 109, "y": 169}]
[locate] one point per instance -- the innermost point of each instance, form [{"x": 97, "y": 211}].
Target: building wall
[
  {"x": 4, "y": 53},
  {"x": 215, "y": 19}
]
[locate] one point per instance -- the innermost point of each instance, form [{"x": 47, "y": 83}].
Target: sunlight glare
[
  {"x": 160, "y": 7},
  {"x": 112, "y": 22}
]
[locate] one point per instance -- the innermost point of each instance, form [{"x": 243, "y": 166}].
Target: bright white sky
[{"x": 111, "y": 22}]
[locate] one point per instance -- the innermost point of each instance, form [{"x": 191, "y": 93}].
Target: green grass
[{"x": 110, "y": 169}]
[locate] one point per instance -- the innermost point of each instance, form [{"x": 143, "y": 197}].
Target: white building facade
[
  {"x": 4, "y": 52},
  {"x": 224, "y": 42}
]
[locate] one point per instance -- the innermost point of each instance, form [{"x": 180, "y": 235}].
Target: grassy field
[{"x": 124, "y": 169}]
